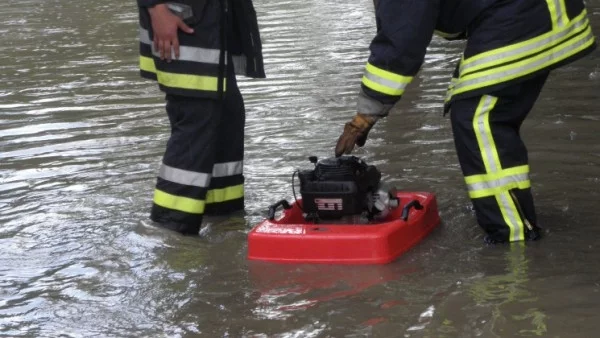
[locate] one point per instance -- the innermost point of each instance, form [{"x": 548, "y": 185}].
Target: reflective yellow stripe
[
  {"x": 450, "y": 90},
  {"x": 581, "y": 17},
  {"x": 552, "y": 4},
  {"x": 380, "y": 88},
  {"x": 225, "y": 194},
  {"x": 388, "y": 75},
  {"x": 384, "y": 81},
  {"x": 527, "y": 66},
  {"x": 493, "y": 168},
  {"x": 481, "y": 127},
  {"x": 564, "y": 18},
  {"x": 525, "y": 48},
  {"x": 511, "y": 216},
  {"x": 519, "y": 170},
  {"x": 182, "y": 81},
  {"x": 194, "y": 206},
  {"x": 187, "y": 81},
  {"x": 147, "y": 64},
  {"x": 500, "y": 189},
  {"x": 178, "y": 203}
]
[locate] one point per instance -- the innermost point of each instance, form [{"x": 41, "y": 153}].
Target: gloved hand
[{"x": 355, "y": 133}]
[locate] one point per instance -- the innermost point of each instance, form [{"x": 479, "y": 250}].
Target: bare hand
[{"x": 165, "y": 26}]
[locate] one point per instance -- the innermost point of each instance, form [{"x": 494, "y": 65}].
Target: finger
[
  {"x": 155, "y": 43},
  {"x": 184, "y": 27},
  {"x": 345, "y": 145},
  {"x": 176, "y": 48},
  {"x": 362, "y": 137},
  {"x": 361, "y": 140},
  {"x": 340, "y": 146},
  {"x": 349, "y": 149},
  {"x": 339, "y": 150},
  {"x": 161, "y": 49},
  {"x": 168, "y": 51}
]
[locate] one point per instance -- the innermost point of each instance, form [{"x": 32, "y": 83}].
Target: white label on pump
[{"x": 329, "y": 204}]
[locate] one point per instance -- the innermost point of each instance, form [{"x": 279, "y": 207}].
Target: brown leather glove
[{"x": 355, "y": 133}]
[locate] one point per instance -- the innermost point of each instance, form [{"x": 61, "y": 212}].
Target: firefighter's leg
[
  {"x": 181, "y": 190},
  {"x": 494, "y": 159},
  {"x": 226, "y": 191}
]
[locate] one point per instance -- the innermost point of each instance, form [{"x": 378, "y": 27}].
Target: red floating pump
[{"x": 344, "y": 217}]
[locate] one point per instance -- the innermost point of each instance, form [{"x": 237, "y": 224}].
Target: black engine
[{"x": 337, "y": 187}]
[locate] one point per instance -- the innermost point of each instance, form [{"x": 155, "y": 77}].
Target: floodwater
[{"x": 81, "y": 136}]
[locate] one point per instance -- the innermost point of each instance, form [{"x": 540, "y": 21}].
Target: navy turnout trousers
[
  {"x": 494, "y": 160},
  {"x": 202, "y": 168}
]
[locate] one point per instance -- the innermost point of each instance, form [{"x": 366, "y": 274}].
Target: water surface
[{"x": 82, "y": 134}]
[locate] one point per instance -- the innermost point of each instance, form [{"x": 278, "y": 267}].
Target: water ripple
[{"x": 81, "y": 137}]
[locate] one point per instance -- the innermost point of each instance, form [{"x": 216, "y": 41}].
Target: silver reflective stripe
[
  {"x": 228, "y": 169},
  {"x": 521, "y": 51},
  {"x": 398, "y": 86},
  {"x": 187, "y": 53},
  {"x": 197, "y": 54},
  {"x": 508, "y": 206},
  {"x": 184, "y": 177},
  {"x": 481, "y": 117},
  {"x": 239, "y": 64},
  {"x": 529, "y": 67},
  {"x": 197, "y": 179},
  {"x": 498, "y": 183},
  {"x": 145, "y": 36}
]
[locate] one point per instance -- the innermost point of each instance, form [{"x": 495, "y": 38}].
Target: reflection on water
[{"x": 81, "y": 137}]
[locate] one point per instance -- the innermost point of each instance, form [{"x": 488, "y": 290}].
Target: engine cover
[{"x": 337, "y": 187}]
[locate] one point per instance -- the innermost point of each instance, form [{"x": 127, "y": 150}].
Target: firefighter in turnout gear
[
  {"x": 194, "y": 49},
  {"x": 511, "y": 46}
]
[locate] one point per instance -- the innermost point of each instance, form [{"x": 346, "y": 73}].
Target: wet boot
[
  {"x": 182, "y": 228},
  {"x": 161, "y": 220},
  {"x": 530, "y": 235}
]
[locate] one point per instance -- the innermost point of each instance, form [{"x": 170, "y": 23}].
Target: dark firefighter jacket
[
  {"x": 220, "y": 27},
  {"x": 507, "y": 41}
]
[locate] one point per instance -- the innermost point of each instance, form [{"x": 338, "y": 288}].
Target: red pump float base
[{"x": 291, "y": 239}]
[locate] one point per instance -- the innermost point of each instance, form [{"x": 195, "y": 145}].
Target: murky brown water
[{"x": 81, "y": 136}]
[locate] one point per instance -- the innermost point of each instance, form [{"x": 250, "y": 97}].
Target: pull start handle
[
  {"x": 406, "y": 209},
  {"x": 273, "y": 208}
]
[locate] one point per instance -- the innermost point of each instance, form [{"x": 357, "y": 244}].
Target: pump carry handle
[
  {"x": 273, "y": 208},
  {"x": 406, "y": 209}
]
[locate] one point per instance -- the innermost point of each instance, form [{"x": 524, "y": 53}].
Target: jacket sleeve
[
  {"x": 404, "y": 30},
  {"x": 149, "y": 3}
]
